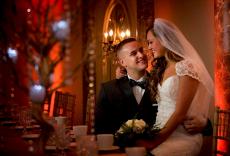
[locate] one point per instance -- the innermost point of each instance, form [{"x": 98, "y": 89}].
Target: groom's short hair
[{"x": 122, "y": 43}]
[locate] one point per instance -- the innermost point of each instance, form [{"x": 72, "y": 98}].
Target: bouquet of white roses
[{"x": 132, "y": 130}]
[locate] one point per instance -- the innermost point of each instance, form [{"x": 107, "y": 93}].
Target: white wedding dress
[{"x": 180, "y": 142}]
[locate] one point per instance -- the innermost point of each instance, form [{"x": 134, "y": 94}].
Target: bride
[{"x": 182, "y": 86}]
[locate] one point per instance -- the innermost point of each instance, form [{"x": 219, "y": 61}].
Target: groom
[
  {"x": 122, "y": 99},
  {"x": 125, "y": 98}
]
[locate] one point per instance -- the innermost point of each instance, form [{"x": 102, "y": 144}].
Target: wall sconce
[
  {"x": 116, "y": 29},
  {"x": 111, "y": 39}
]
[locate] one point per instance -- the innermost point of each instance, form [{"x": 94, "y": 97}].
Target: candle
[
  {"x": 127, "y": 33},
  {"x": 122, "y": 34},
  {"x": 105, "y": 35},
  {"x": 110, "y": 35}
]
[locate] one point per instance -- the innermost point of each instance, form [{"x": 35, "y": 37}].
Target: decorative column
[
  {"x": 145, "y": 18},
  {"x": 222, "y": 58},
  {"x": 90, "y": 67}
]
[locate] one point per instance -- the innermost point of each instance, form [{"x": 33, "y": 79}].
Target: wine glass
[
  {"x": 24, "y": 119},
  {"x": 62, "y": 139},
  {"x": 87, "y": 145}
]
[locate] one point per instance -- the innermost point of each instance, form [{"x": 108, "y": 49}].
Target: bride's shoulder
[
  {"x": 187, "y": 67},
  {"x": 186, "y": 63}
]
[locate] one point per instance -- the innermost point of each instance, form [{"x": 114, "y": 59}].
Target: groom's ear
[{"x": 121, "y": 62}]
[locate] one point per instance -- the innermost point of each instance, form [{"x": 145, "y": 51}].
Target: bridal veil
[{"x": 173, "y": 39}]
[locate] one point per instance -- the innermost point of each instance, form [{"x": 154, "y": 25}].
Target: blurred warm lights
[
  {"x": 110, "y": 36},
  {"x": 28, "y": 10},
  {"x": 12, "y": 54},
  {"x": 61, "y": 29},
  {"x": 110, "y": 32},
  {"x": 127, "y": 33},
  {"x": 37, "y": 93},
  {"x": 122, "y": 34},
  {"x": 106, "y": 35}
]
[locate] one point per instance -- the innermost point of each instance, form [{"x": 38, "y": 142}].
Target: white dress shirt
[{"x": 138, "y": 92}]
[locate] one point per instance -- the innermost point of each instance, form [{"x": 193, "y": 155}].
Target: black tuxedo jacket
[{"x": 116, "y": 104}]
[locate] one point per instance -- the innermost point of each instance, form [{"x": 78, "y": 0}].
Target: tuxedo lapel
[
  {"x": 145, "y": 98},
  {"x": 127, "y": 89}
]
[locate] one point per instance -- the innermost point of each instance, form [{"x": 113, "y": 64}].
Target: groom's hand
[{"x": 195, "y": 124}]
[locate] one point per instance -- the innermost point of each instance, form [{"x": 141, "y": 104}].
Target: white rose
[
  {"x": 121, "y": 130},
  {"x": 139, "y": 126},
  {"x": 129, "y": 123},
  {"x": 139, "y": 123}
]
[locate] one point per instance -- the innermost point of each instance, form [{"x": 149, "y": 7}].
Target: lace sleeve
[{"x": 185, "y": 67}]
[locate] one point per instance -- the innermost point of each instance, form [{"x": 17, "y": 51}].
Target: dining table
[
  {"x": 12, "y": 143},
  {"x": 113, "y": 154}
]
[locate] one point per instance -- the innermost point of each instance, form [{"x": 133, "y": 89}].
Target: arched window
[{"x": 116, "y": 28}]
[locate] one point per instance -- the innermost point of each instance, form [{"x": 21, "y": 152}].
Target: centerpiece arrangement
[{"x": 38, "y": 34}]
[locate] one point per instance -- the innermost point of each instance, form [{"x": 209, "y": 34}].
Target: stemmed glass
[
  {"x": 62, "y": 139},
  {"x": 87, "y": 145},
  {"x": 14, "y": 112},
  {"x": 24, "y": 119}
]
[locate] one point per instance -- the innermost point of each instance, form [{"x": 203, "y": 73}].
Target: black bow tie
[{"x": 133, "y": 83}]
